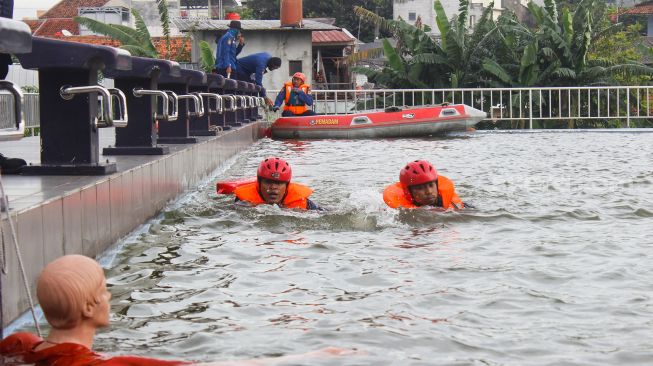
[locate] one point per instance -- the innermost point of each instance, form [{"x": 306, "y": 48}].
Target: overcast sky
[{"x": 28, "y": 8}]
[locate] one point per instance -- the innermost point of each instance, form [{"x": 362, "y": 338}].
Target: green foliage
[
  {"x": 623, "y": 47},
  {"x": 162, "y": 6},
  {"x": 207, "y": 60},
  {"x": 571, "y": 44},
  {"x": 453, "y": 62}
]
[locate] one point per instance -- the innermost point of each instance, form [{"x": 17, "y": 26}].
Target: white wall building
[
  {"x": 292, "y": 45},
  {"x": 410, "y": 10}
]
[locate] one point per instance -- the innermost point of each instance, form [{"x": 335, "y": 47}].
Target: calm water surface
[{"x": 552, "y": 268}]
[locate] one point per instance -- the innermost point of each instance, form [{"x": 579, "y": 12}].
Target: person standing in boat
[
  {"x": 273, "y": 187},
  {"x": 296, "y": 96},
  {"x": 73, "y": 294},
  {"x": 420, "y": 185},
  {"x": 229, "y": 46},
  {"x": 251, "y": 69}
]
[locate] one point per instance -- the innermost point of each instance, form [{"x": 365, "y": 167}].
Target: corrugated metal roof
[
  {"x": 643, "y": 8},
  {"x": 199, "y": 24},
  {"x": 69, "y": 8},
  {"x": 331, "y": 37}
]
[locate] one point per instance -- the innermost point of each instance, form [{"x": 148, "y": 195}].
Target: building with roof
[
  {"x": 292, "y": 44},
  {"x": 644, "y": 8},
  {"x": 330, "y": 49},
  {"x": 411, "y": 10},
  {"x": 58, "y": 22}
]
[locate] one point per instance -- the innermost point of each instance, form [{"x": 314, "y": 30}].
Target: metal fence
[
  {"x": 31, "y": 110},
  {"x": 524, "y": 105}
]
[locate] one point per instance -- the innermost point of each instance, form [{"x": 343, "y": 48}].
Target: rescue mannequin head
[
  {"x": 71, "y": 290},
  {"x": 273, "y": 176},
  {"x": 419, "y": 182}
]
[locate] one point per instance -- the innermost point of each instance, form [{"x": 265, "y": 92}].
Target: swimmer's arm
[{"x": 310, "y": 205}]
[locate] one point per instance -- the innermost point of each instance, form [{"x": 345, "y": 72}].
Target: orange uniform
[
  {"x": 395, "y": 197},
  {"x": 295, "y": 109},
  {"x": 296, "y": 195}
]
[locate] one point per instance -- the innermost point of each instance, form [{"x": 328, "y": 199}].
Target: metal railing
[
  {"x": 525, "y": 105},
  {"x": 30, "y": 110}
]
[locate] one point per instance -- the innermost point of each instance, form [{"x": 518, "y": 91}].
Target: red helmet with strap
[
  {"x": 274, "y": 169},
  {"x": 417, "y": 172},
  {"x": 301, "y": 76}
]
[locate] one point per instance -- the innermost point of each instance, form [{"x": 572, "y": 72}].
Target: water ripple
[{"x": 552, "y": 267}]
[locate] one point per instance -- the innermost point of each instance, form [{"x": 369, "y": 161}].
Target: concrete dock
[{"x": 57, "y": 215}]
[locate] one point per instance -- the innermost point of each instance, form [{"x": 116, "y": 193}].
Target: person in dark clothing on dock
[
  {"x": 229, "y": 46},
  {"x": 251, "y": 68}
]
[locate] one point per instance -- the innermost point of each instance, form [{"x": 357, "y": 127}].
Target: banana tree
[{"x": 452, "y": 62}]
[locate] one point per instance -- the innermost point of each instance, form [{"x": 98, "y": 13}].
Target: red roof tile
[
  {"x": 96, "y": 40},
  {"x": 333, "y": 37},
  {"x": 34, "y": 24},
  {"x": 178, "y": 45},
  {"x": 642, "y": 8},
  {"x": 54, "y": 27},
  {"x": 70, "y": 8}
]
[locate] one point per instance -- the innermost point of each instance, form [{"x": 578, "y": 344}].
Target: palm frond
[
  {"x": 206, "y": 56},
  {"x": 564, "y": 72},
  {"x": 497, "y": 70},
  {"x": 165, "y": 23},
  {"x": 394, "y": 60},
  {"x": 141, "y": 28},
  {"x": 430, "y": 59},
  {"x": 107, "y": 30},
  {"x": 632, "y": 69},
  {"x": 551, "y": 8},
  {"x": 137, "y": 50}
]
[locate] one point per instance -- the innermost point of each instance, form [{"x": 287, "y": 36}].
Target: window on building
[
  {"x": 472, "y": 20},
  {"x": 412, "y": 16},
  {"x": 294, "y": 66}
]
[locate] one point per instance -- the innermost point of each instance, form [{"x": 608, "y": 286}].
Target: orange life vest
[
  {"x": 295, "y": 109},
  {"x": 394, "y": 195},
  {"x": 296, "y": 195}
]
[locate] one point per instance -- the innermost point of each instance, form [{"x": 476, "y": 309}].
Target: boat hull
[{"x": 416, "y": 122}]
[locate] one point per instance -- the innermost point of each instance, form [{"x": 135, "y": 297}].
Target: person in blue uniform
[
  {"x": 251, "y": 68},
  {"x": 229, "y": 46}
]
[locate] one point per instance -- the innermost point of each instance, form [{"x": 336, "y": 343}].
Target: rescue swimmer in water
[
  {"x": 273, "y": 187},
  {"x": 420, "y": 185}
]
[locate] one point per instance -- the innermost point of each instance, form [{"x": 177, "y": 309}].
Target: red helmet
[
  {"x": 274, "y": 169},
  {"x": 417, "y": 172},
  {"x": 299, "y": 75}
]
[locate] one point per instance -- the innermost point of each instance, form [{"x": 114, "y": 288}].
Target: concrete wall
[
  {"x": 89, "y": 219},
  {"x": 288, "y": 45}
]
